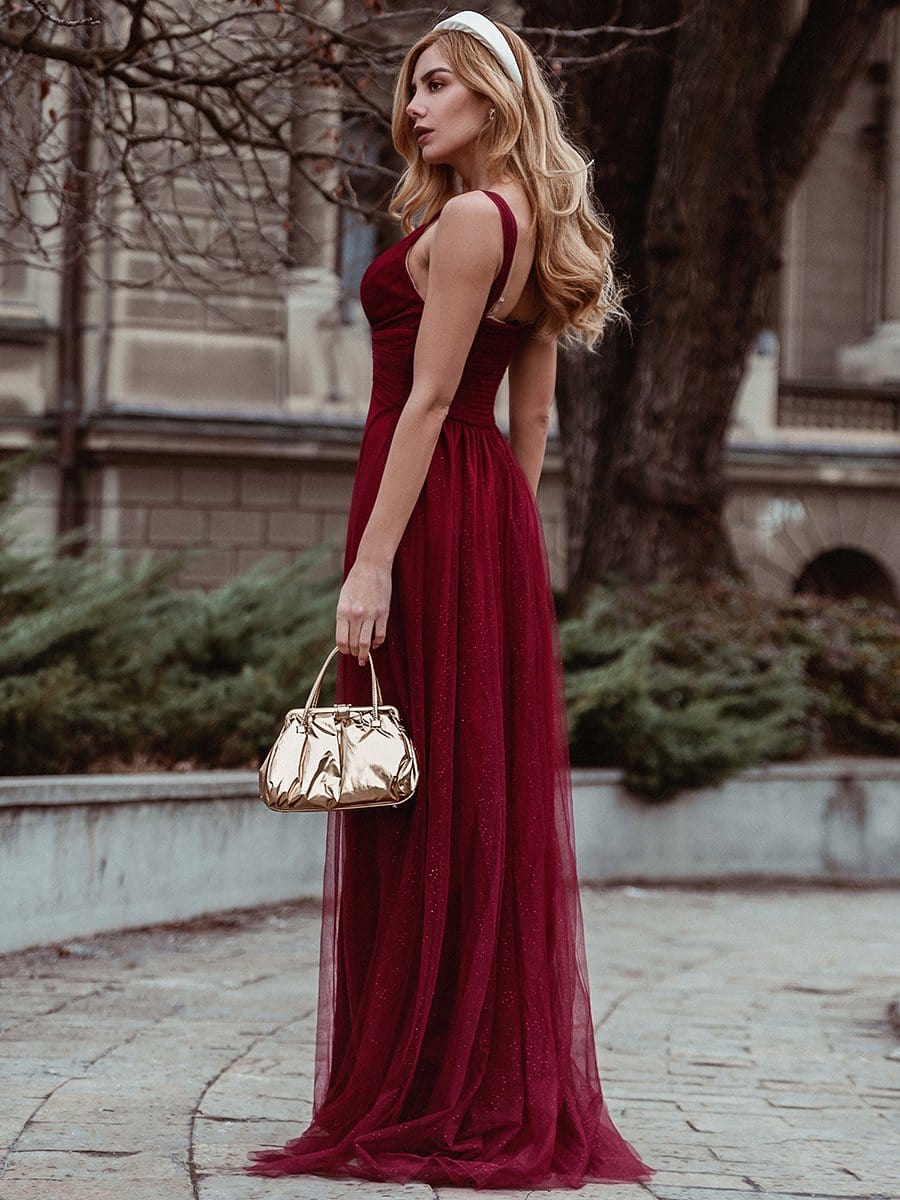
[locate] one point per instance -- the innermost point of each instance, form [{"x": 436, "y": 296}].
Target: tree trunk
[{"x": 695, "y": 173}]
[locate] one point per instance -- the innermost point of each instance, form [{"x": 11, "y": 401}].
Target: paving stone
[
  {"x": 314, "y": 1187},
  {"x": 73, "y": 1189},
  {"x": 743, "y": 1041},
  {"x": 701, "y": 1179},
  {"x": 97, "y": 1164}
]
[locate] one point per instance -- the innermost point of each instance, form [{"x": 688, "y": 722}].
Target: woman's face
[{"x": 448, "y": 115}]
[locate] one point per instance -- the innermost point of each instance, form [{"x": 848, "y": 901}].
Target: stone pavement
[{"x": 742, "y": 1035}]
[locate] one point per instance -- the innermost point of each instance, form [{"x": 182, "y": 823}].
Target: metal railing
[{"x": 826, "y": 405}]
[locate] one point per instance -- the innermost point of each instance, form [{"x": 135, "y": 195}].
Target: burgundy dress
[{"x": 454, "y": 1042}]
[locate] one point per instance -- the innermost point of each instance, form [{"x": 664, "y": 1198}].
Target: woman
[{"x": 454, "y": 1041}]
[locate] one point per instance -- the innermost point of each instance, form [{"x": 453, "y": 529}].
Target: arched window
[{"x": 844, "y": 572}]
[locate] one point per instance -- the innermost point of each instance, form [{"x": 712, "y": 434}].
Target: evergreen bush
[
  {"x": 103, "y": 665},
  {"x": 106, "y": 667},
  {"x": 682, "y": 686}
]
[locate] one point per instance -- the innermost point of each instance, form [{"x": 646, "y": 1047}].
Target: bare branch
[
  {"x": 631, "y": 32},
  {"x": 43, "y": 11},
  {"x": 203, "y": 99}
]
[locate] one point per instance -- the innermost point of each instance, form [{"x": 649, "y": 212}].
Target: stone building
[{"x": 243, "y": 441}]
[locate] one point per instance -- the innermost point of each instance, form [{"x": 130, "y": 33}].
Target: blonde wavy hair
[{"x": 573, "y": 263}]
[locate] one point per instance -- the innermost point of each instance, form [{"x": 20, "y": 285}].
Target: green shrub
[
  {"x": 683, "y": 686},
  {"x": 111, "y": 667},
  {"x": 103, "y": 665}
]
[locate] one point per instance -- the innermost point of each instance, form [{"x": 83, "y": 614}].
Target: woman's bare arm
[
  {"x": 466, "y": 254},
  {"x": 532, "y": 381}
]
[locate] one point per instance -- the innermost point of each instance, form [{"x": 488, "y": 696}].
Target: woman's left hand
[{"x": 362, "y": 610}]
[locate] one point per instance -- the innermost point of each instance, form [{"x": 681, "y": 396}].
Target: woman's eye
[{"x": 435, "y": 83}]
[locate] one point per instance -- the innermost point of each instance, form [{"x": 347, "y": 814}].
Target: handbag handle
[{"x": 312, "y": 698}]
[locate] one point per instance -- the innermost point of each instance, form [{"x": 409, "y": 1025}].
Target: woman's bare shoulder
[
  {"x": 468, "y": 208},
  {"x": 519, "y": 201},
  {"x": 468, "y": 229}
]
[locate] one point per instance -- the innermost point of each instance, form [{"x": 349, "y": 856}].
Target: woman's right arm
[{"x": 532, "y": 381}]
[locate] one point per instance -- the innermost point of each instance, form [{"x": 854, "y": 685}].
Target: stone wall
[
  {"x": 79, "y": 855},
  {"x": 779, "y": 529},
  {"x": 231, "y": 513},
  {"x": 229, "y": 492},
  {"x": 278, "y": 495}
]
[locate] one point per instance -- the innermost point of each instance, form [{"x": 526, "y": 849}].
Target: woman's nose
[{"x": 414, "y": 108}]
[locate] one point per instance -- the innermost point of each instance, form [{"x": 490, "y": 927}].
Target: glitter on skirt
[{"x": 454, "y": 1043}]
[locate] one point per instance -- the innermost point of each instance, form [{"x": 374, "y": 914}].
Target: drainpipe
[{"x": 70, "y": 358}]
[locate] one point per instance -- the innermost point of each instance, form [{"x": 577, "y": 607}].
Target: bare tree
[
  {"x": 234, "y": 98},
  {"x": 229, "y": 98}
]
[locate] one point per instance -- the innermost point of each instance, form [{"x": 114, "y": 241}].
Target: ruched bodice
[{"x": 393, "y": 308}]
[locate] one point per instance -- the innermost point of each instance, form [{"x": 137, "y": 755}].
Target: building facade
[{"x": 233, "y": 425}]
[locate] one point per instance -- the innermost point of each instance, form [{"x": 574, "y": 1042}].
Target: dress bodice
[{"x": 393, "y": 309}]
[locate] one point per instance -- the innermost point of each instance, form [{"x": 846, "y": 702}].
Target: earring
[{"x": 492, "y": 114}]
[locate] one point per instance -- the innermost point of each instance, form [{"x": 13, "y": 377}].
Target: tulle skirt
[{"x": 454, "y": 1040}]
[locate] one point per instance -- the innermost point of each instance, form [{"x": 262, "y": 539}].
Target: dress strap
[{"x": 510, "y": 234}]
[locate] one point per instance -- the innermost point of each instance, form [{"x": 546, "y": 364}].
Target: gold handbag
[{"x": 340, "y": 757}]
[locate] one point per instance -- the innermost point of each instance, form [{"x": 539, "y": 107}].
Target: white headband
[{"x": 486, "y": 31}]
